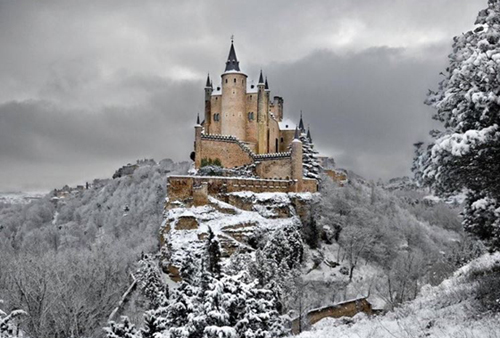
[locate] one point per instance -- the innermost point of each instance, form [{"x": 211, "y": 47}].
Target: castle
[{"x": 243, "y": 126}]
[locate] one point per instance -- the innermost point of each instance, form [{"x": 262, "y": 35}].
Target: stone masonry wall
[
  {"x": 275, "y": 168},
  {"x": 346, "y": 309},
  {"x": 231, "y": 154},
  {"x": 180, "y": 188}
]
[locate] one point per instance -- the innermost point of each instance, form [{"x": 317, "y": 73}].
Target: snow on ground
[
  {"x": 222, "y": 223},
  {"x": 444, "y": 311}
]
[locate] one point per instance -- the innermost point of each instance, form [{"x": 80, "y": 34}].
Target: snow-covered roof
[
  {"x": 286, "y": 125},
  {"x": 251, "y": 90},
  {"x": 217, "y": 92},
  {"x": 232, "y": 71}
]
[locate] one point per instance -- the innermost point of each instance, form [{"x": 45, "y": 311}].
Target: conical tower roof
[
  {"x": 309, "y": 137},
  {"x": 301, "y": 124},
  {"x": 232, "y": 63},
  {"x": 261, "y": 78}
]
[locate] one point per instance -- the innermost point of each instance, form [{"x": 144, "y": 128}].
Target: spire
[
  {"x": 198, "y": 119},
  {"x": 209, "y": 83},
  {"x": 301, "y": 124},
  {"x": 309, "y": 137},
  {"x": 261, "y": 78},
  {"x": 267, "y": 85},
  {"x": 297, "y": 134},
  {"x": 232, "y": 62}
]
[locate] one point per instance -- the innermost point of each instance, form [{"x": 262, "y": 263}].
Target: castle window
[
  {"x": 250, "y": 116},
  {"x": 235, "y": 80},
  {"x": 282, "y": 140},
  {"x": 242, "y": 81},
  {"x": 226, "y": 80}
]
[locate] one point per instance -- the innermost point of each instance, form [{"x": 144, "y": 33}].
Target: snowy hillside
[
  {"x": 20, "y": 197},
  {"x": 456, "y": 308},
  {"x": 72, "y": 250}
]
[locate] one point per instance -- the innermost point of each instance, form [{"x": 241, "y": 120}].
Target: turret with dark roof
[
  {"x": 261, "y": 78},
  {"x": 209, "y": 82},
  {"x": 301, "y": 124},
  {"x": 309, "y": 137},
  {"x": 232, "y": 63},
  {"x": 267, "y": 84}
]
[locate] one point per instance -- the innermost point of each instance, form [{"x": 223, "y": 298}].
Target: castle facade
[{"x": 245, "y": 110}]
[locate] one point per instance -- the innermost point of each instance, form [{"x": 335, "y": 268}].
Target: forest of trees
[{"x": 67, "y": 262}]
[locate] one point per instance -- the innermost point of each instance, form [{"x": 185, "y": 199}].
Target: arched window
[
  {"x": 277, "y": 146},
  {"x": 226, "y": 80},
  {"x": 282, "y": 140},
  {"x": 234, "y": 80}
]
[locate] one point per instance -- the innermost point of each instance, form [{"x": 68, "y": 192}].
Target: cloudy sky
[{"x": 86, "y": 86}]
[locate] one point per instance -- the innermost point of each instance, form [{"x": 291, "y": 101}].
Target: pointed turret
[
  {"x": 267, "y": 85},
  {"x": 297, "y": 134},
  {"x": 261, "y": 78},
  {"x": 301, "y": 124},
  {"x": 198, "y": 119},
  {"x": 309, "y": 137},
  {"x": 209, "y": 82},
  {"x": 232, "y": 63}
]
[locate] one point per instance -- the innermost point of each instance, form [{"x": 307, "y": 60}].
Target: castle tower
[
  {"x": 233, "y": 105},
  {"x": 297, "y": 165},
  {"x": 262, "y": 116},
  {"x": 208, "y": 105}
]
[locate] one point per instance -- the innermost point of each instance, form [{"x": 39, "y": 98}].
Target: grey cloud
[{"x": 86, "y": 86}]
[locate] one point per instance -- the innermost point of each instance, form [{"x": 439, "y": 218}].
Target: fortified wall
[{"x": 194, "y": 190}]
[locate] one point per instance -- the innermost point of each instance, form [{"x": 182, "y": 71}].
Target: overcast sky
[{"x": 87, "y": 86}]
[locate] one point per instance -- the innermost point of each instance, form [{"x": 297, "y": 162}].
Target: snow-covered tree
[
  {"x": 465, "y": 156},
  {"x": 310, "y": 162},
  {"x": 124, "y": 329},
  {"x": 8, "y": 323},
  {"x": 151, "y": 283}
]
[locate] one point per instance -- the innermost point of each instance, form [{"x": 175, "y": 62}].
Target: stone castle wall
[
  {"x": 228, "y": 150},
  {"x": 345, "y": 309},
  {"x": 184, "y": 188},
  {"x": 277, "y": 166}
]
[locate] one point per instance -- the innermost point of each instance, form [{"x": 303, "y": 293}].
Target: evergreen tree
[
  {"x": 213, "y": 254},
  {"x": 151, "y": 283},
  {"x": 125, "y": 329},
  {"x": 310, "y": 162},
  {"x": 465, "y": 156}
]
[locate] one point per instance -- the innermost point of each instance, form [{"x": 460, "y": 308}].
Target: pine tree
[
  {"x": 213, "y": 254},
  {"x": 151, "y": 283},
  {"x": 465, "y": 156},
  {"x": 310, "y": 162},
  {"x": 125, "y": 329}
]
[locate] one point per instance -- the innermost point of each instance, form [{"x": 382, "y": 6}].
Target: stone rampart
[
  {"x": 345, "y": 309},
  {"x": 182, "y": 188},
  {"x": 228, "y": 149}
]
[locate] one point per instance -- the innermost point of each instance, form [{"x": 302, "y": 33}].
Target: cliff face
[{"x": 235, "y": 219}]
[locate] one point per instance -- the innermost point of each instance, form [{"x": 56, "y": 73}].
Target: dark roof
[
  {"x": 261, "y": 78},
  {"x": 209, "y": 83},
  {"x": 301, "y": 124},
  {"x": 232, "y": 62},
  {"x": 267, "y": 85},
  {"x": 297, "y": 135},
  {"x": 198, "y": 119},
  {"x": 309, "y": 137}
]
